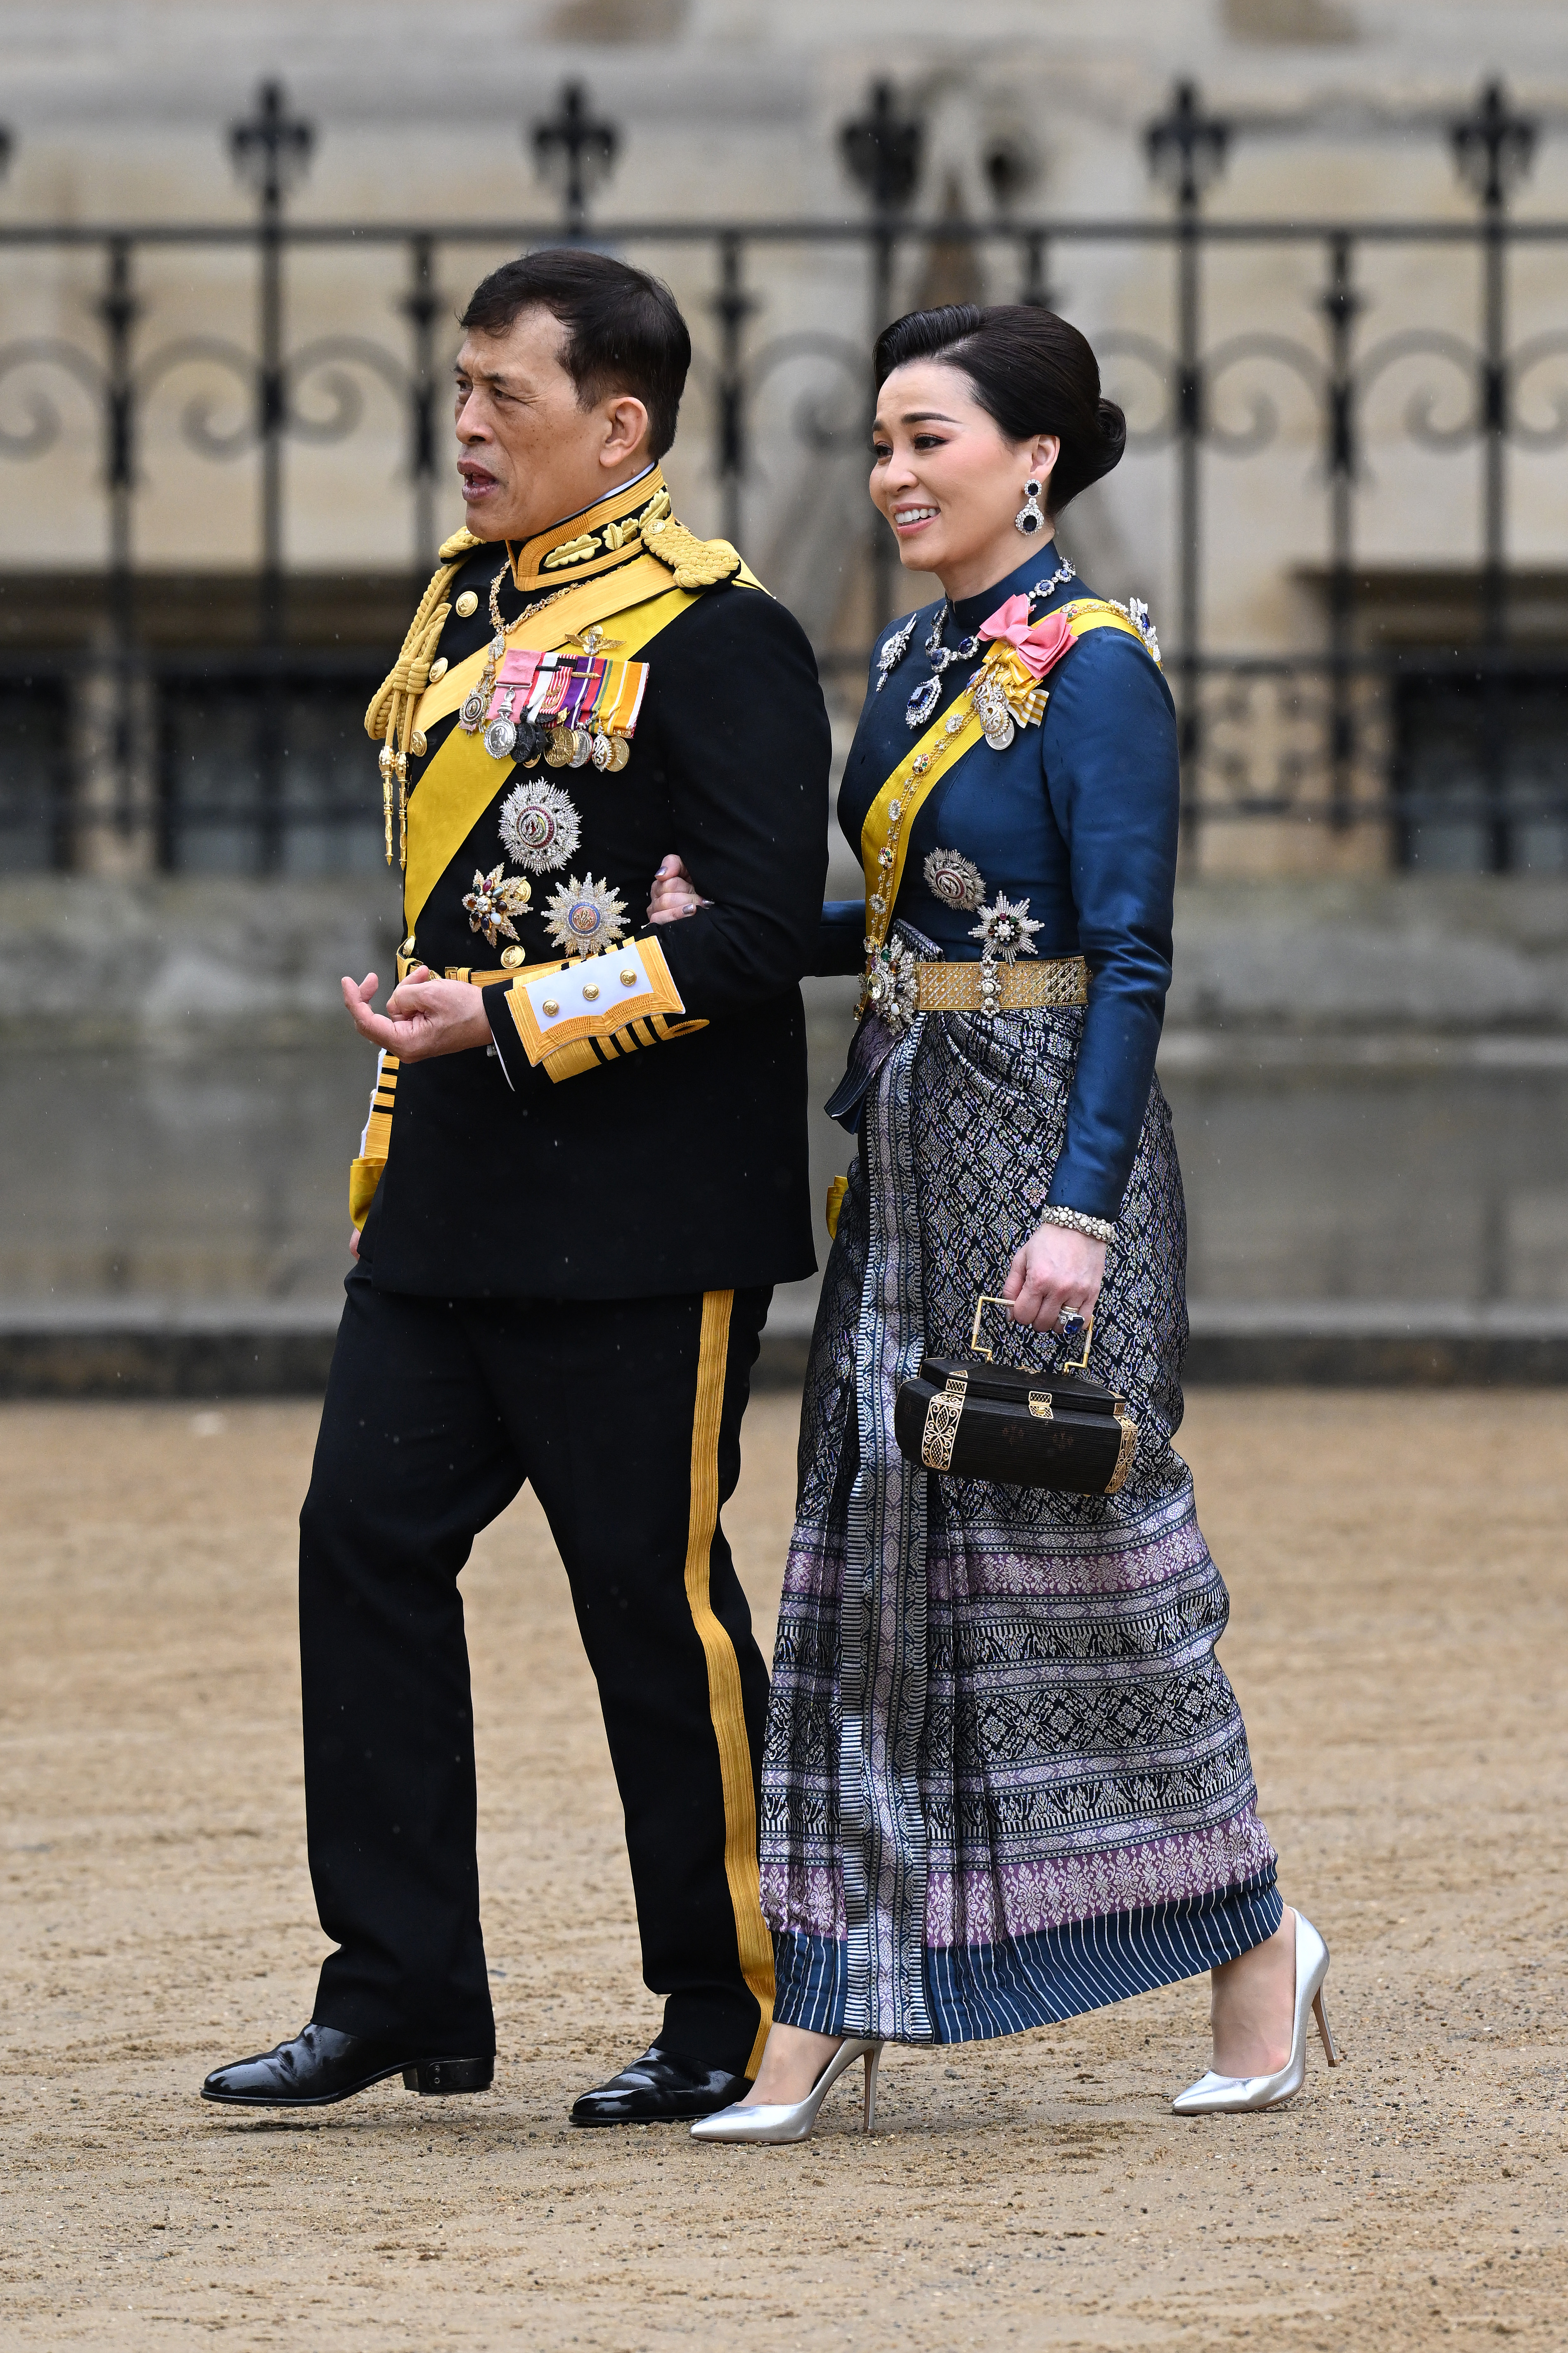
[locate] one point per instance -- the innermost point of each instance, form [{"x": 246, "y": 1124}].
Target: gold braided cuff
[
  {"x": 978, "y": 987},
  {"x": 1078, "y": 1221}
]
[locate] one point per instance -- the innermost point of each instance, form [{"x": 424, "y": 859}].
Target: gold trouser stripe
[{"x": 723, "y": 1670}]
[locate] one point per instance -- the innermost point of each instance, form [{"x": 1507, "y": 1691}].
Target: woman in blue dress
[{"x": 1006, "y": 1778}]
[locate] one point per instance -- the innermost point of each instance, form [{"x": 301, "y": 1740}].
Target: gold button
[
  {"x": 628, "y": 977},
  {"x": 438, "y": 668},
  {"x": 551, "y": 1005},
  {"x": 590, "y": 991},
  {"x": 418, "y": 745},
  {"x": 512, "y": 957},
  {"x": 467, "y": 604}
]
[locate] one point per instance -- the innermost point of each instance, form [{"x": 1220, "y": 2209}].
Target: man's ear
[{"x": 626, "y": 429}]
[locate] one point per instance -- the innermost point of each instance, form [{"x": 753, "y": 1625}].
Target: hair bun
[{"x": 1113, "y": 434}]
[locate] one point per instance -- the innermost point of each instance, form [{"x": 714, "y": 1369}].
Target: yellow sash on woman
[{"x": 889, "y": 820}]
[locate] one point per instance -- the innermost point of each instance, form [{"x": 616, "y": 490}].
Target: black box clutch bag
[{"x": 969, "y": 1419}]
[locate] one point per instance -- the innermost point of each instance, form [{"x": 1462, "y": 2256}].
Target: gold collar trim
[{"x": 600, "y": 537}]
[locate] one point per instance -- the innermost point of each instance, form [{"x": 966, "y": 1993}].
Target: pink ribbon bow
[{"x": 1038, "y": 648}]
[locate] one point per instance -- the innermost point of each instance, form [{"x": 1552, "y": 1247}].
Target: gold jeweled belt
[{"x": 987, "y": 987}]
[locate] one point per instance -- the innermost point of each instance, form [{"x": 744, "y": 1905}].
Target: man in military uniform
[{"x": 583, "y": 1169}]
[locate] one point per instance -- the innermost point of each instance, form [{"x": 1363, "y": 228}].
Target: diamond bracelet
[{"x": 1077, "y": 1221}]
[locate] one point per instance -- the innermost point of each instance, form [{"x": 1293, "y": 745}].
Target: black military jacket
[{"x": 671, "y": 1157}]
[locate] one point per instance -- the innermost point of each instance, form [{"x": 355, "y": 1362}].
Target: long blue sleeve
[{"x": 1109, "y": 748}]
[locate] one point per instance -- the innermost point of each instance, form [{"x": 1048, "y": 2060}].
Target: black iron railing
[{"x": 1331, "y": 733}]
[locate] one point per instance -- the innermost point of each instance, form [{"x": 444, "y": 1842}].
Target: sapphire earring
[{"x": 1030, "y": 517}]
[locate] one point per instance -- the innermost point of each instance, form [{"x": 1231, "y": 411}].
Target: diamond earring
[{"x": 1030, "y": 517}]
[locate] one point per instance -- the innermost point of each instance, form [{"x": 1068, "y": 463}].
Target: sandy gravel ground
[{"x": 1398, "y": 1571}]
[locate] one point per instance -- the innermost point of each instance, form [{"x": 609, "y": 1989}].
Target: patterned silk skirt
[{"x": 1006, "y": 1778}]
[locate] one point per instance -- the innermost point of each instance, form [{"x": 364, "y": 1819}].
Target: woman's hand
[
  {"x": 1056, "y": 1270},
  {"x": 674, "y": 893}
]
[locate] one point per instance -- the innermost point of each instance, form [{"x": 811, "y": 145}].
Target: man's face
[{"x": 528, "y": 454}]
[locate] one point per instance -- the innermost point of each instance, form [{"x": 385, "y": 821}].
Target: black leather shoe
[
  {"x": 320, "y": 2065},
  {"x": 658, "y": 2088}
]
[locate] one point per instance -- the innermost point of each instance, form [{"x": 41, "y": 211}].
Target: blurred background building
[{"x": 1319, "y": 247}]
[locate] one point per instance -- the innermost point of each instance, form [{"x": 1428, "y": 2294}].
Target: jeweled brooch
[
  {"x": 494, "y": 899},
  {"x": 1006, "y": 931},
  {"x": 540, "y": 826},
  {"x": 956, "y": 880},
  {"x": 893, "y": 986},
  {"x": 1139, "y": 614},
  {"x": 585, "y": 917},
  {"x": 893, "y": 652}
]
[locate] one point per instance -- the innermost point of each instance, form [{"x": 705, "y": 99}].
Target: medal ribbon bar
[{"x": 588, "y": 690}]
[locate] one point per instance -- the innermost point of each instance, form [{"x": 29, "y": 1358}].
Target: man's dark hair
[
  {"x": 624, "y": 333},
  {"x": 1032, "y": 372}
]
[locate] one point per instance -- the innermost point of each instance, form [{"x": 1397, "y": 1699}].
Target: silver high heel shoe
[
  {"x": 779, "y": 2124},
  {"x": 1225, "y": 2095}
]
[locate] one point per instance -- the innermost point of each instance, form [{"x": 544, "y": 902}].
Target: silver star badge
[{"x": 1005, "y": 931}]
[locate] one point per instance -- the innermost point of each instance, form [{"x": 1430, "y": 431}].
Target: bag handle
[{"x": 990, "y": 1299}]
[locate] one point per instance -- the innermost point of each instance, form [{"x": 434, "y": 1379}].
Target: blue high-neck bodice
[{"x": 1079, "y": 817}]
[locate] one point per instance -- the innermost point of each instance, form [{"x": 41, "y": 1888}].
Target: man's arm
[
  {"x": 739, "y": 745},
  {"x": 746, "y": 751}
]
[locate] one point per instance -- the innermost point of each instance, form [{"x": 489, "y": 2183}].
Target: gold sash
[
  {"x": 462, "y": 779},
  {"x": 889, "y": 820}
]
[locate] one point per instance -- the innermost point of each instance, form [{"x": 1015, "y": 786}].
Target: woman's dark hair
[
  {"x": 1031, "y": 373},
  {"x": 624, "y": 333}
]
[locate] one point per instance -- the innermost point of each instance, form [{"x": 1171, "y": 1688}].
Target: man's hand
[
  {"x": 423, "y": 1017},
  {"x": 1056, "y": 1270}
]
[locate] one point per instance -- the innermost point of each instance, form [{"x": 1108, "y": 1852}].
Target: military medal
[
  {"x": 501, "y": 735},
  {"x": 585, "y": 917},
  {"x": 610, "y": 753},
  {"x": 572, "y": 707},
  {"x": 494, "y": 899},
  {"x": 477, "y": 702},
  {"x": 540, "y": 826}
]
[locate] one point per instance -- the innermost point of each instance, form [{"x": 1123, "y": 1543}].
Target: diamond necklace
[{"x": 928, "y": 695}]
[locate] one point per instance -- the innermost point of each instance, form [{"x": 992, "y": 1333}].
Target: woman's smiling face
[{"x": 949, "y": 481}]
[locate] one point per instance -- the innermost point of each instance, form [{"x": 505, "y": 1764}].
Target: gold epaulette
[
  {"x": 462, "y": 543},
  {"x": 696, "y": 562}
]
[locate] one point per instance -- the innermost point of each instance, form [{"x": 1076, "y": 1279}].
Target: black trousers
[{"x": 624, "y": 1416}]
